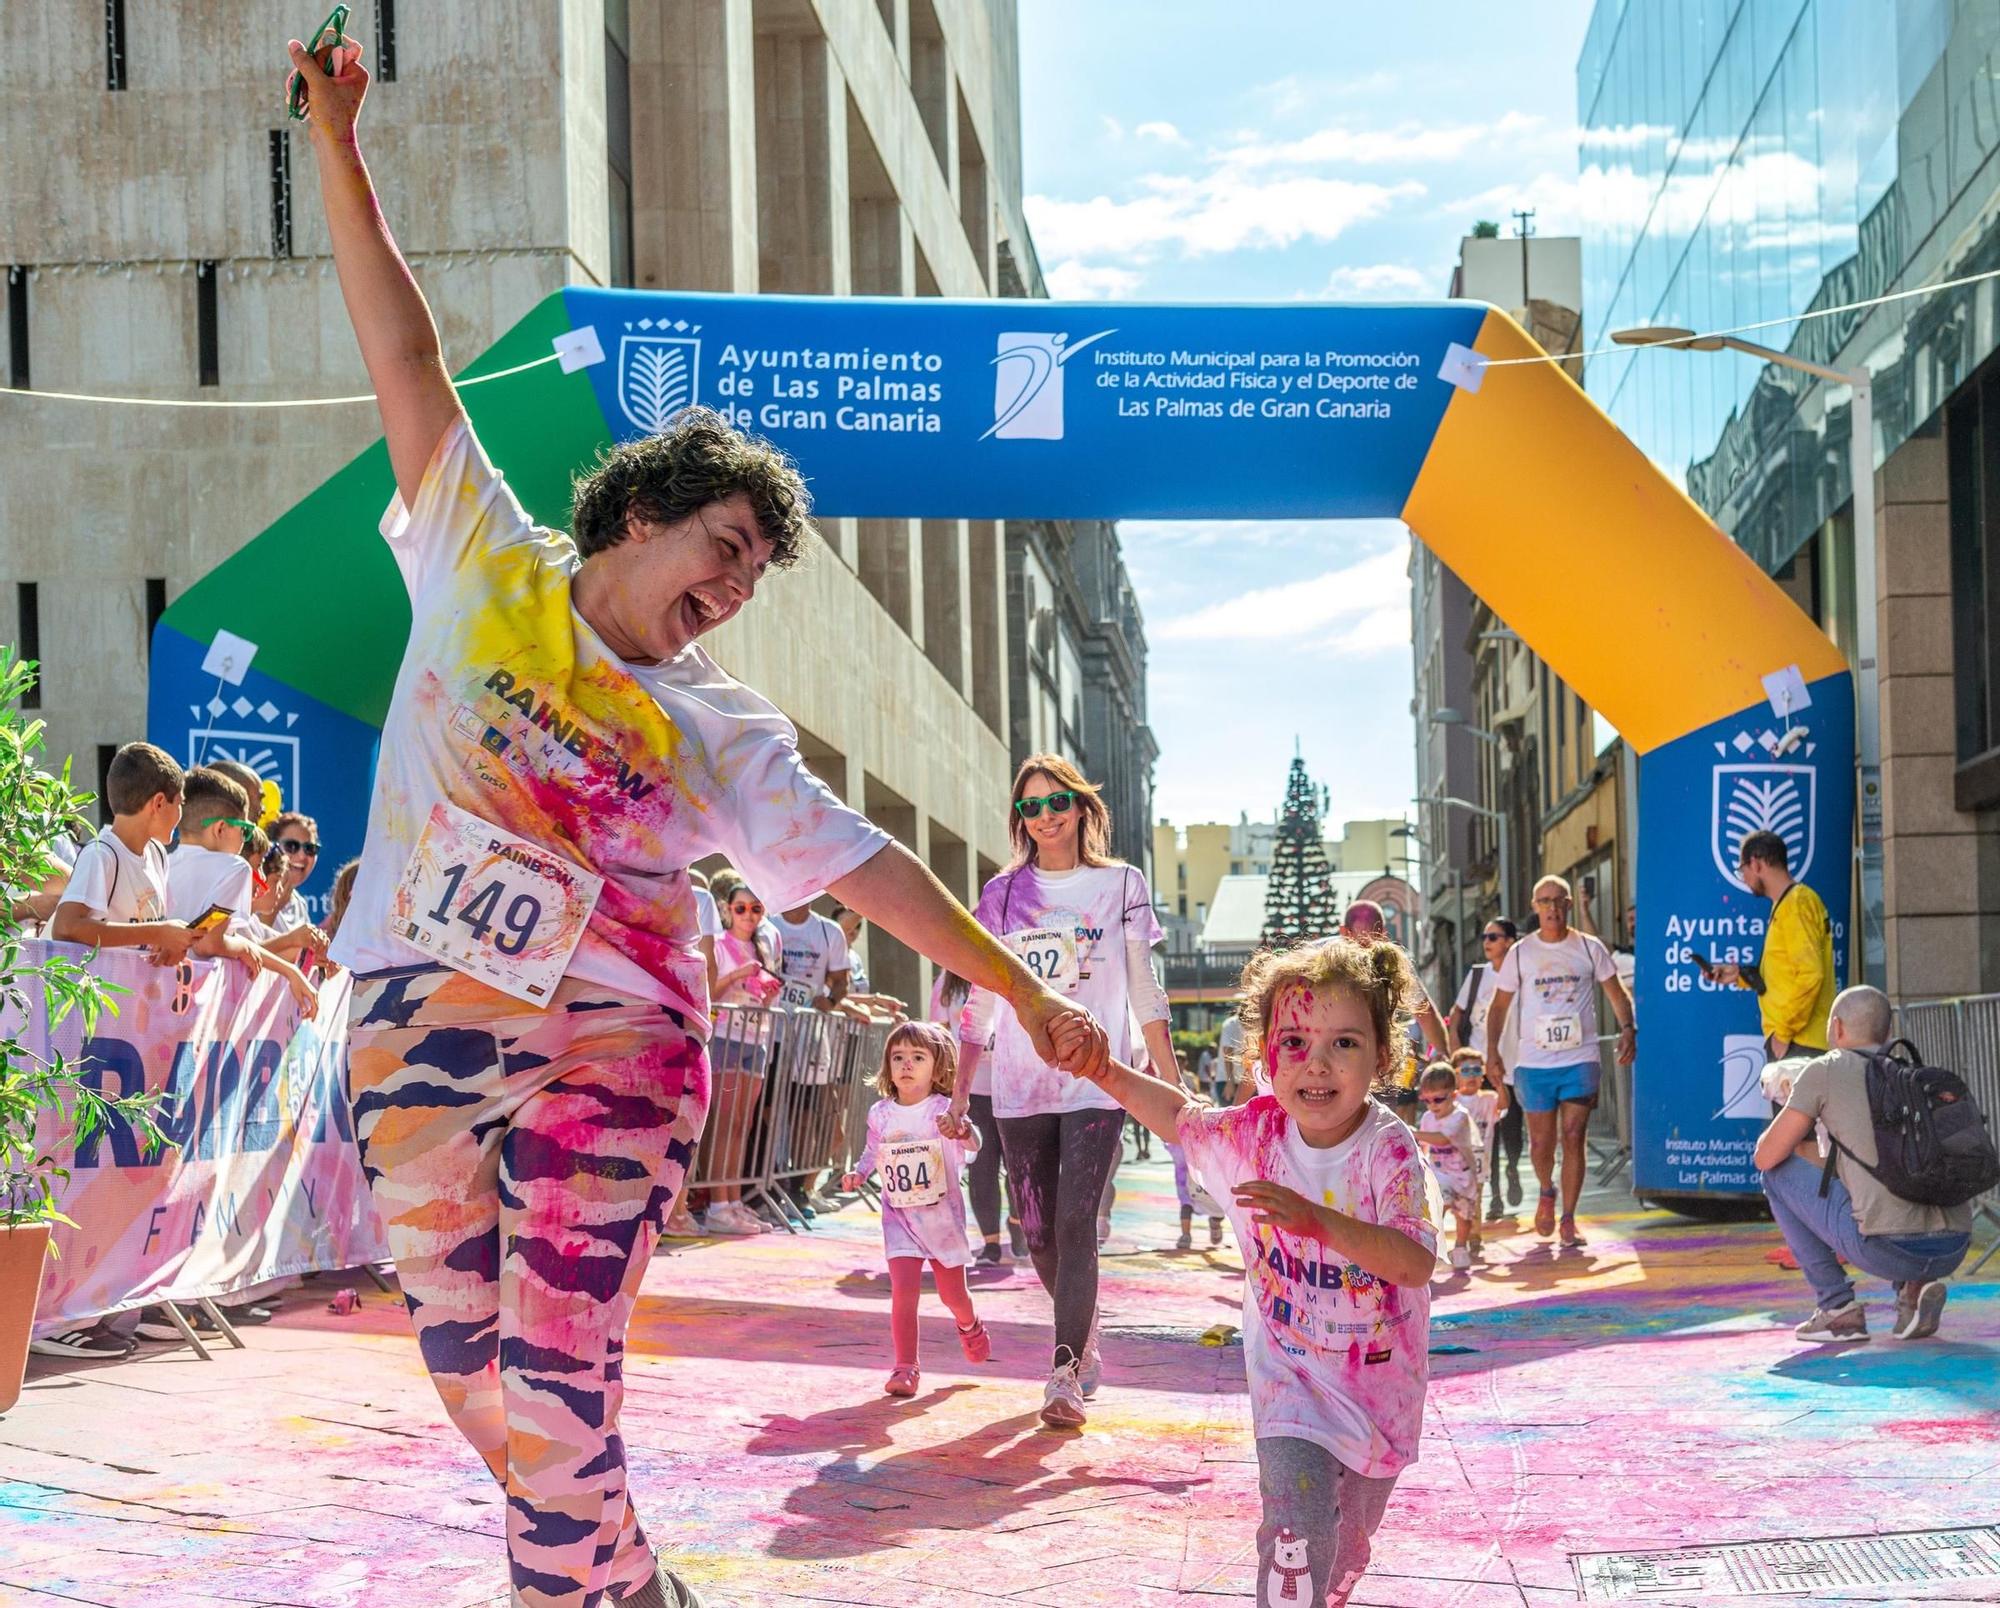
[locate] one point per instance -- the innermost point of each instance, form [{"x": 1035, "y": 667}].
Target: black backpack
[{"x": 1931, "y": 1143}]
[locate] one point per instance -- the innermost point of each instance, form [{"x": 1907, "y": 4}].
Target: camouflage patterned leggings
[{"x": 523, "y": 1162}]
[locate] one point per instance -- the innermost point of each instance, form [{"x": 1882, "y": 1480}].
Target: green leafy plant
[{"x": 35, "y": 809}]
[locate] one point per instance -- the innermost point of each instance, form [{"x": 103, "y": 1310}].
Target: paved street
[{"x": 1644, "y": 1393}]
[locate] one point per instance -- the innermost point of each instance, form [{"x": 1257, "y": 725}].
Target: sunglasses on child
[
  {"x": 1054, "y": 803},
  {"x": 741, "y": 909},
  {"x": 294, "y": 846},
  {"x": 230, "y": 820},
  {"x": 1438, "y": 1099}
]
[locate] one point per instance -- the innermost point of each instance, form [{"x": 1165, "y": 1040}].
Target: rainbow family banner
[{"x": 261, "y": 1180}]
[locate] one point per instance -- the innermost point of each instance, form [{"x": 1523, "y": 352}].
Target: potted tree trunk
[{"x": 45, "y": 1099}]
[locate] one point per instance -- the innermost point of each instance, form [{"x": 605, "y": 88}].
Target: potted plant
[{"x": 35, "y": 809}]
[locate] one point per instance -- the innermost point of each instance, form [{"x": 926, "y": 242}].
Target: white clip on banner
[
  {"x": 1786, "y": 689},
  {"x": 1462, "y": 367},
  {"x": 229, "y": 657},
  {"x": 578, "y": 348}
]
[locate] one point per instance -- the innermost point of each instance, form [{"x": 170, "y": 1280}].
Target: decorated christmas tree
[{"x": 1298, "y": 901}]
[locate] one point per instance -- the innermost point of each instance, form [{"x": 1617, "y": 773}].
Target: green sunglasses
[
  {"x": 231, "y": 820},
  {"x": 1054, "y": 803}
]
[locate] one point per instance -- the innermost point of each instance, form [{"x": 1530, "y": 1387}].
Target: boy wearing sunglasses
[
  {"x": 208, "y": 871},
  {"x": 1451, "y": 1143}
]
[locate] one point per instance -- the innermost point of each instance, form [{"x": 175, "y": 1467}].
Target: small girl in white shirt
[
  {"x": 1328, "y": 1199},
  {"x": 1450, "y": 1139},
  {"x": 920, "y": 1152}
]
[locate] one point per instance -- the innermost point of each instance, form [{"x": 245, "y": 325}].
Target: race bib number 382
[
  {"x": 493, "y": 905},
  {"x": 1050, "y": 954}
]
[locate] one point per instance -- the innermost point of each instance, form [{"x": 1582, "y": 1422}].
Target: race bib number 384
[
  {"x": 912, "y": 1172},
  {"x": 493, "y": 905}
]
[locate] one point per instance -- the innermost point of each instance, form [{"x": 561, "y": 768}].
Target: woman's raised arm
[{"x": 399, "y": 340}]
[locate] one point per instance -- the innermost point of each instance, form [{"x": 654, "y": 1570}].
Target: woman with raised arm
[
  {"x": 527, "y": 1066},
  {"x": 1084, "y": 924}
]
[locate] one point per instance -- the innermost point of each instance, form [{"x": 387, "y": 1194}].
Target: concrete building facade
[{"x": 162, "y": 238}]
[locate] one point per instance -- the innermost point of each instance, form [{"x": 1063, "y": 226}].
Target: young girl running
[
  {"x": 1331, "y": 1208},
  {"x": 920, "y": 1149}
]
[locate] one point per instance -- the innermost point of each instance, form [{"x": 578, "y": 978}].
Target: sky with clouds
[{"x": 1178, "y": 151}]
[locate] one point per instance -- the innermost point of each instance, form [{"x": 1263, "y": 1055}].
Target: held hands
[
  {"x": 1065, "y": 1035},
  {"x": 954, "y": 1124},
  {"x": 850, "y": 1182},
  {"x": 333, "y": 100},
  {"x": 1274, "y": 1206}
]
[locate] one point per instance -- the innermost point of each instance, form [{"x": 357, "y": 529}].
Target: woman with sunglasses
[
  {"x": 1468, "y": 1031},
  {"x": 1083, "y": 923},
  {"x": 296, "y": 839},
  {"x": 746, "y": 973},
  {"x": 527, "y": 1054}
]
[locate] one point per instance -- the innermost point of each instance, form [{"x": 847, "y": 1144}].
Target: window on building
[
  {"x": 28, "y": 618},
  {"x": 207, "y": 340},
  {"x": 930, "y": 78},
  {"x": 156, "y": 605},
  {"x": 385, "y": 41},
  {"x": 17, "y": 327},
  {"x": 281, "y": 192},
  {"x": 106, "y": 752},
  {"x": 1972, "y": 446},
  {"x": 618, "y": 134},
  {"x": 114, "y": 44}
]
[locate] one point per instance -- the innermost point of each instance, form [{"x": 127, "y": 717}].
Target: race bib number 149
[{"x": 493, "y": 905}]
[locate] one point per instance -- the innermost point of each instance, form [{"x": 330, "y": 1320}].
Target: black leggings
[
  {"x": 1057, "y": 1165},
  {"x": 1508, "y": 1132},
  {"x": 982, "y": 1173}
]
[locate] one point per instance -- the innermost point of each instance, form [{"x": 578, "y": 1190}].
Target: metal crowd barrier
[
  {"x": 1964, "y": 1035},
  {"x": 789, "y": 1098}
]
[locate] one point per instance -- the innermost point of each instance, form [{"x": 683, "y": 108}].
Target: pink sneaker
[
  {"x": 975, "y": 1342},
  {"x": 903, "y": 1380}
]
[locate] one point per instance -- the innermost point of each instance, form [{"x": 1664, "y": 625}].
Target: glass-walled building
[{"x": 1747, "y": 162}]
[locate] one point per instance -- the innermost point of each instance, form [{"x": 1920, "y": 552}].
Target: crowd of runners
[{"x": 529, "y": 1089}]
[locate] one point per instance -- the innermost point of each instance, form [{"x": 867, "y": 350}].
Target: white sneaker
[
  {"x": 732, "y": 1217},
  {"x": 1091, "y": 1368},
  {"x": 1461, "y": 1257},
  {"x": 1062, "y": 1400}
]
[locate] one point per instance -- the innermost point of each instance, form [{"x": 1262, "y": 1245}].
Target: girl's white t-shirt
[
  {"x": 510, "y": 707},
  {"x": 1070, "y": 928},
  {"x": 937, "y": 1231},
  {"x": 1334, "y": 1355}
]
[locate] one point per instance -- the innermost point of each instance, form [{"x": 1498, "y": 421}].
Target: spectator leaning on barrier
[
  {"x": 1856, "y": 1220},
  {"x": 117, "y": 895},
  {"x": 1794, "y": 983}
]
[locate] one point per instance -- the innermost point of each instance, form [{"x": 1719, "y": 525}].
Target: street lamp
[
  {"x": 1861, "y": 477},
  {"x": 1453, "y": 718},
  {"x": 1497, "y": 816}
]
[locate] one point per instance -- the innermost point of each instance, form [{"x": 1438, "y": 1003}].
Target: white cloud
[
  {"x": 1517, "y": 133},
  {"x": 1215, "y": 213},
  {"x": 1081, "y": 281},
  {"x": 1379, "y": 281},
  {"x": 1360, "y": 609},
  {"x": 1165, "y": 133}
]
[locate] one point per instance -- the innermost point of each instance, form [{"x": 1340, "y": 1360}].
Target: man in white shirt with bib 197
[{"x": 1556, "y": 971}]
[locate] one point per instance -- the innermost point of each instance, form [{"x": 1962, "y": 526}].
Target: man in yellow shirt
[{"x": 1796, "y": 986}]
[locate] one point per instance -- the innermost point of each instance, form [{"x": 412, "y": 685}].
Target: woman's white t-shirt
[
  {"x": 1071, "y": 929},
  {"x": 509, "y": 707},
  {"x": 1475, "y": 998}
]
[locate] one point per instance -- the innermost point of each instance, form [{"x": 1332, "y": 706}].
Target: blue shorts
[{"x": 1543, "y": 1088}]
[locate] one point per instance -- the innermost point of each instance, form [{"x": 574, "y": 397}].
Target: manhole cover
[{"x": 1788, "y": 1568}]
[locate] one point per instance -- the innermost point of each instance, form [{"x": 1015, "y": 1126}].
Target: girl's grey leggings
[{"x": 1318, "y": 1516}]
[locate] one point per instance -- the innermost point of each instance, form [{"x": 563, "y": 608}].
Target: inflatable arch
[{"x": 1740, "y": 709}]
